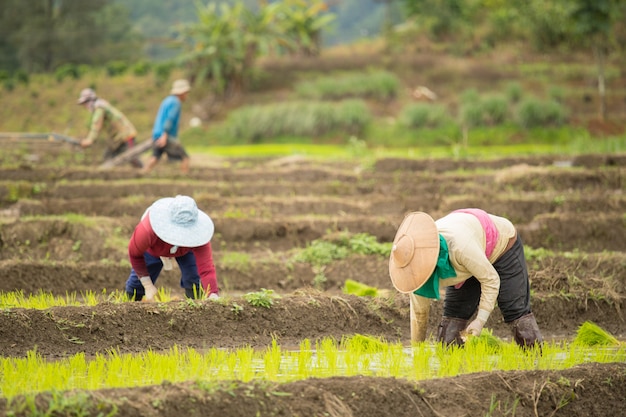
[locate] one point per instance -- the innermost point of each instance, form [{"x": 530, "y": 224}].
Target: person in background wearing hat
[
  {"x": 172, "y": 228},
  {"x": 479, "y": 259},
  {"x": 120, "y": 130},
  {"x": 165, "y": 129}
]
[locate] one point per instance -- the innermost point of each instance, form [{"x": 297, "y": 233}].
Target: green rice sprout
[
  {"x": 361, "y": 355},
  {"x": 486, "y": 337},
  {"x": 590, "y": 334},
  {"x": 304, "y": 359},
  {"x": 272, "y": 361},
  {"x": 363, "y": 343},
  {"x": 357, "y": 288}
]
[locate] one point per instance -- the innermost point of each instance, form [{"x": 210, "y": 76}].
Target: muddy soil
[{"x": 64, "y": 229}]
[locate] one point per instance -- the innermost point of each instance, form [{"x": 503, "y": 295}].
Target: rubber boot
[
  {"x": 132, "y": 296},
  {"x": 526, "y": 331},
  {"x": 449, "y": 332},
  {"x": 194, "y": 292}
]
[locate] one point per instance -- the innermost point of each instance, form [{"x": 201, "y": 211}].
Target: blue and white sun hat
[{"x": 179, "y": 222}]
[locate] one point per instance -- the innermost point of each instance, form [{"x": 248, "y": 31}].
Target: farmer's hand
[
  {"x": 85, "y": 143},
  {"x": 213, "y": 296},
  {"x": 161, "y": 141},
  {"x": 476, "y": 326},
  {"x": 149, "y": 288}
]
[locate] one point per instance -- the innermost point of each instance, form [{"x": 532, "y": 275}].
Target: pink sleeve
[{"x": 206, "y": 268}]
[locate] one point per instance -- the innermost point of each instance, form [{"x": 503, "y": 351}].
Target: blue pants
[
  {"x": 188, "y": 280},
  {"x": 514, "y": 295}
]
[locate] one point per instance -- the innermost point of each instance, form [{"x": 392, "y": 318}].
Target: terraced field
[{"x": 64, "y": 228}]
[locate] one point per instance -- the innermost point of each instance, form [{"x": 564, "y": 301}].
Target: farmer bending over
[
  {"x": 172, "y": 228},
  {"x": 120, "y": 131},
  {"x": 478, "y": 258},
  {"x": 165, "y": 129}
]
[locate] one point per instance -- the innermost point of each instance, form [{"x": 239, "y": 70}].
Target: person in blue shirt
[{"x": 165, "y": 129}]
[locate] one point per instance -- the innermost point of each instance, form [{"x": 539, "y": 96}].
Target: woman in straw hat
[
  {"x": 478, "y": 258},
  {"x": 172, "y": 228}
]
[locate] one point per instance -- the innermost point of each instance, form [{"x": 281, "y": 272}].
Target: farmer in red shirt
[{"x": 172, "y": 228}]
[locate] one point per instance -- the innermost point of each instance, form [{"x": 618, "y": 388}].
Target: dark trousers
[
  {"x": 188, "y": 280},
  {"x": 514, "y": 295}
]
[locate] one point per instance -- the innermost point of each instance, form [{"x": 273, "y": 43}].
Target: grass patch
[
  {"x": 236, "y": 260},
  {"x": 322, "y": 252}
]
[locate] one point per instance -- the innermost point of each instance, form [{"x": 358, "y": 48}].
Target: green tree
[
  {"x": 593, "y": 26},
  {"x": 302, "y": 21},
  {"x": 223, "y": 45},
  {"x": 442, "y": 17},
  {"x": 41, "y": 35}
]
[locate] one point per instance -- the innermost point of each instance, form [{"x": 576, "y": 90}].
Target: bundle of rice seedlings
[
  {"x": 486, "y": 337},
  {"x": 364, "y": 343},
  {"x": 590, "y": 334},
  {"x": 360, "y": 289}
]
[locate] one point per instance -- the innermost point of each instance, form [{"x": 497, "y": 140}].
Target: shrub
[
  {"x": 141, "y": 68},
  {"x": 162, "y": 72},
  {"x": 556, "y": 93},
  {"x": 115, "y": 68},
  {"x": 495, "y": 110},
  {"x": 366, "y": 244},
  {"x": 379, "y": 85},
  {"x": 65, "y": 71},
  {"x": 472, "y": 114},
  {"x": 9, "y": 84},
  {"x": 22, "y": 77},
  {"x": 470, "y": 96},
  {"x": 422, "y": 115},
  {"x": 533, "y": 112},
  {"x": 305, "y": 119},
  {"x": 321, "y": 252},
  {"x": 350, "y": 116},
  {"x": 513, "y": 92}
]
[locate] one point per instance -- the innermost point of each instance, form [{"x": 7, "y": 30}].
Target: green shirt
[{"x": 106, "y": 117}]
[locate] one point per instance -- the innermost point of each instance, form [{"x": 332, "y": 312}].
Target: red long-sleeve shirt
[{"x": 145, "y": 240}]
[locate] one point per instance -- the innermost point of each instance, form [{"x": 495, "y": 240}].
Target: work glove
[
  {"x": 476, "y": 326},
  {"x": 149, "y": 288},
  {"x": 213, "y": 296}
]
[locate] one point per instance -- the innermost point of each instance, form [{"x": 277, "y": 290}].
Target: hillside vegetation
[{"x": 499, "y": 78}]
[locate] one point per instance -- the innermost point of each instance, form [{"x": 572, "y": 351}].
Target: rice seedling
[
  {"x": 590, "y": 334},
  {"x": 360, "y": 355},
  {"x": 357, "y": 288},
  {"x": 43, "y": 300}
]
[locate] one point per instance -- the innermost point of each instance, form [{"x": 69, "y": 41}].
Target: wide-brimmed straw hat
[
  {"x": 180, "y": 87},
  {"x": 414, "y": 252},
  {"x": 178, "y": 221}
]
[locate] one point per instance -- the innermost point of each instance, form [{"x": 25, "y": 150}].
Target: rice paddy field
[{"x": 308, "y": 323}]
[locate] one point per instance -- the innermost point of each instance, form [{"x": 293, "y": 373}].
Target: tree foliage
[
  {"x": 302, "y": 22},
  {"x": 225, "y": 42},
  {"x": 44, "y": 34}
]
